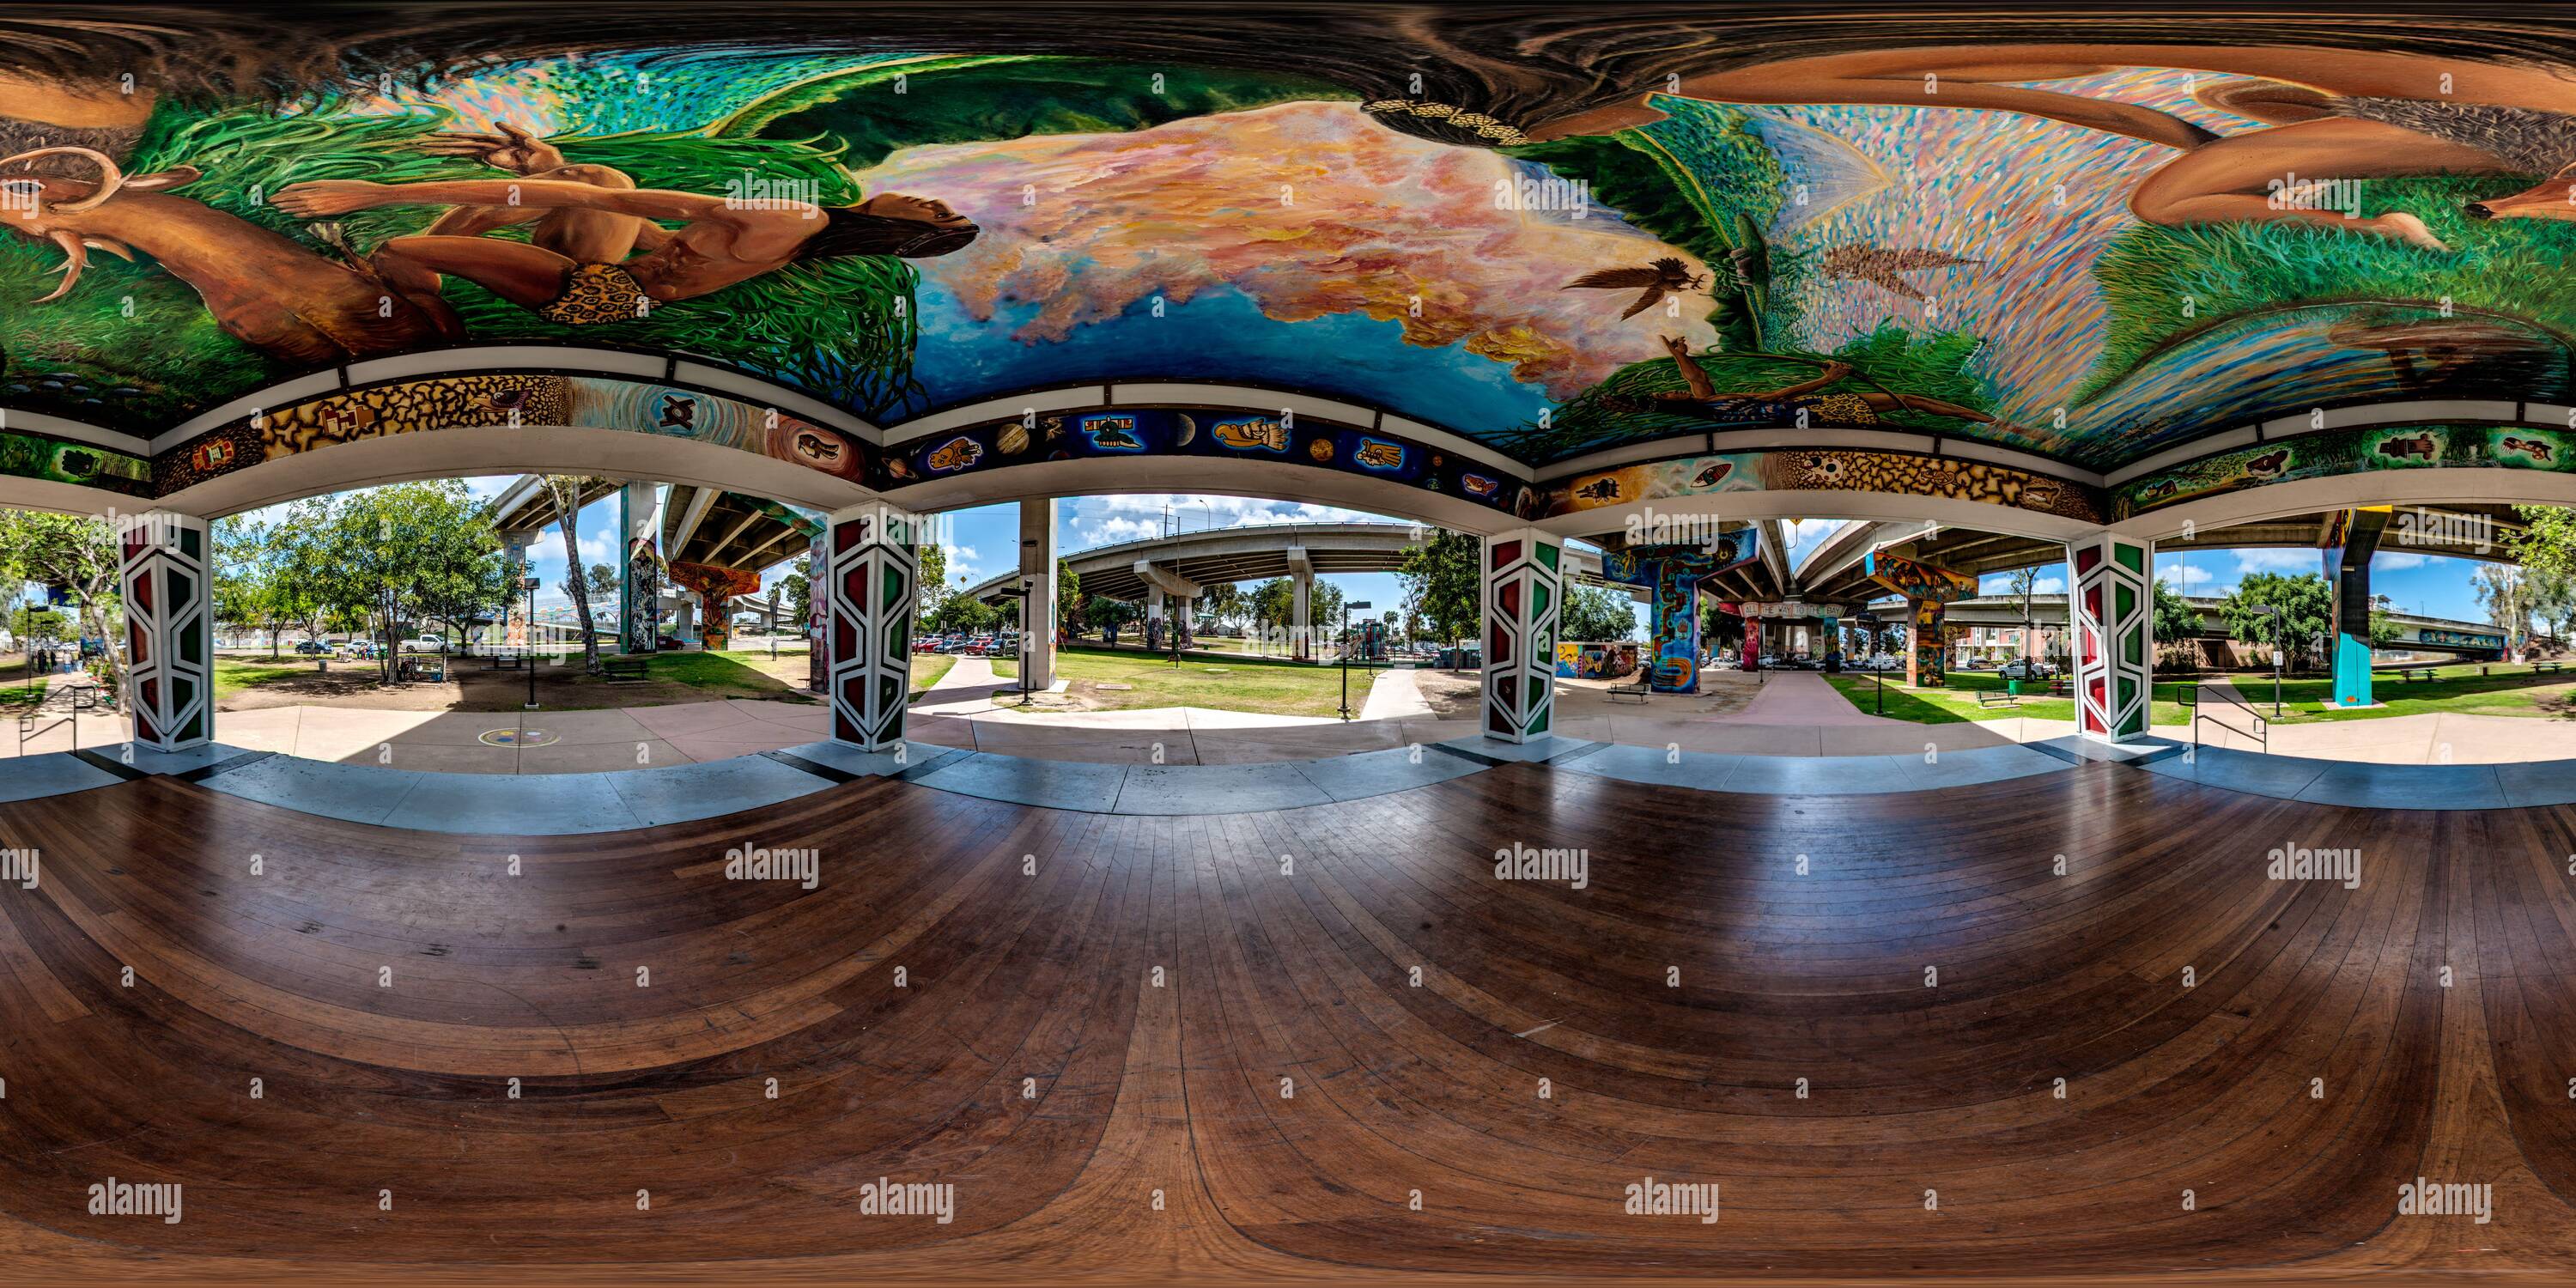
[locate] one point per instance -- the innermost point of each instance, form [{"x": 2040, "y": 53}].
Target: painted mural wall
[{"x": 2038, "y": 235}]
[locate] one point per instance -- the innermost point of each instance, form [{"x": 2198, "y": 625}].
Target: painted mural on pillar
[
  {"x": 1550, "y": 233},
  {"x": 716, "y": 587},
  {"x": 643, "y": 596},
  {"x": 1672, "y": 575},
  {"x": 1579, "y": 661}
]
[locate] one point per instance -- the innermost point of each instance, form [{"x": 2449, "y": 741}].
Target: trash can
[{"x": 2013, "y": 687}]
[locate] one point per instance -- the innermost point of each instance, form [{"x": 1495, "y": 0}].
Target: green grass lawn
[
  {"x": 745, "y": 673},
  {"x": 234, "y": 674},
  {"x": 928, "y": 669},
  {"x": 2510, "y": 690},
  {"x": 1265, "y": 685},
  {"x": 1957, "y": 702}
]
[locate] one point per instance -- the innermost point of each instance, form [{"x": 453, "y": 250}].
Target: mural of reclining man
[{"x": 588, "y": 219}]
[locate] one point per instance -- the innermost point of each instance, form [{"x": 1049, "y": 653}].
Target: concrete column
[
  {"x": 2113, "y": 608},
  {"x": 871, "y": 586},
  {"x": 1833, "y": 643},
  {"x": 687, "y": 627},
  {"x": 1522, "y": 583},
  {"x": 1153, "y": 619},
  {"x": 1037, "y": 572},
  {"x": 164, "y": 574},
  {"x": 639, "y": 570},
  {"x": 1749, "y": 654},
  {"x": 1300, "y": 631},
  {"x": 2347, "y": 559}
]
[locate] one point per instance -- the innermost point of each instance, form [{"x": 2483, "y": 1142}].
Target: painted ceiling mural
[{"x": 2091, "y": 239}]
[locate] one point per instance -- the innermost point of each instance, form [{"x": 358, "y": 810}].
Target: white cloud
[
  {"x": 2049, "y": 586},
  {"x": 1109, "y": 520},
  {"x": 2398, "y": 559},
  {"x": 2296, "y": 559},
  {"x": 2187, "y": 576}
]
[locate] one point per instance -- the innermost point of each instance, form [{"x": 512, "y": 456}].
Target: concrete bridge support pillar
[
  {"x": 1037, "y": 573},
  {"x": 1301, "y": 631},
  {"x": 639, "y": 570},
  {"x": 2354, "y": 540}
]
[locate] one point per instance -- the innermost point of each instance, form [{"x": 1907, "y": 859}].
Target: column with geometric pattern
[
  {"x": 2114, "y": 612},
  {"x": 169, "y": 629},
  {"x": 869, "y": 628},
  {"x": 1523, "y": 583}
]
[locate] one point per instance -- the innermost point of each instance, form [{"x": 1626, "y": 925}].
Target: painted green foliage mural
[{"x": 2088, "y": 246}]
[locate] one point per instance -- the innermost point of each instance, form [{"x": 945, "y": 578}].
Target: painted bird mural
[
  {"x": 1664, "y": 277},
  {"x": 1884, "y": 268}
]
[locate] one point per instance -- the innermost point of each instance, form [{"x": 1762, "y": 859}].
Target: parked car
[
  {"x": 311, "y": 648},
  {"x": 425, "y": 644},
  {"x": 2027, "y": 669}
]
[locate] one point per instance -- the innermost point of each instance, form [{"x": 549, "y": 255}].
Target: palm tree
[{"x": 566, "y": 493}]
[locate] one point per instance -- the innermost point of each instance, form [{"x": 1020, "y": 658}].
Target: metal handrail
[{"x": 2189, "y": 695}]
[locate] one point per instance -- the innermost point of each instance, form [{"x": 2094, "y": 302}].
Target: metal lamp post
[
  {"x": 528, "y": 653},
  {"x": 1347, "y": 609},
  {"x": 2280, "y": 640}
]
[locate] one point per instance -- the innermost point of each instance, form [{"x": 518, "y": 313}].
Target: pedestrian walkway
[{"x": 1802, "y": 698}]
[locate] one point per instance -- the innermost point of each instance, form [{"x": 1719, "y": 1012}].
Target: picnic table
[
  {"x": 2410, "y": 674},
  {"x": 622, "y": 668},
  {"x": 2546, "y": 668}
]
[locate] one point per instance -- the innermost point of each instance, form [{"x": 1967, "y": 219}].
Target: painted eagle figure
[{"x": 1661, "y": 278}]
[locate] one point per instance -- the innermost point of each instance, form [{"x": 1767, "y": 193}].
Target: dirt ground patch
[{"x": 1458, "y": 695}]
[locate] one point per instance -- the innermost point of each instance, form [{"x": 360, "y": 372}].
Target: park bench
[
  {"x": 622, "y": 668},
  {"x": 1636, "y": 688},
  {"x": 2411, "y": 674},
  {"x": 1997, "y": 698},
  {"x": 2546, "y": 668}
]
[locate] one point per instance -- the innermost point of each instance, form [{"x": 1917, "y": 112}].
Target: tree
[
  {"x": 1445, "y": 582},
  {"x": 457, "y": 558},
  {"x": 2506, "y": 595},
  {"x": 2024, "y": 582},
  {"x": 2307, "y": 613},
  {"x": 2177, "y": 623},
  {"x": 800, "y": 593},
  {"x": 1595, "y": 613},
  {"x": 78, "y": 553},
  {"x": 1068, "y": 596},
  {"x": 388, "y": 554},
  {"x": 930, "y": 583},
  {"x": 566, "y": 494}
]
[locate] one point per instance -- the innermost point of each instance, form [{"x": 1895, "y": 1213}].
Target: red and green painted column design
[
  {"x": 1928, "y": 593},
  {"x": 1671, "y": 575},
  {"x": 1523, "y": 586},
  {"x": 2114, "y": 636},
  {"x": 868, "y": 627},
  {"x": 169, "y": 629}
]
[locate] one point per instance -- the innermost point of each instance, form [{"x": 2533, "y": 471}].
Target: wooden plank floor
[{"x": 385, "y": 988}]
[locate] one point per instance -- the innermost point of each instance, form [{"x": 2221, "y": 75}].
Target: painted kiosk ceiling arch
[{"x": 1534, "y": 267}]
